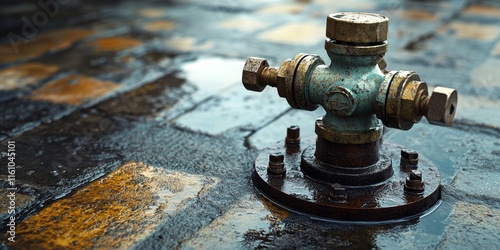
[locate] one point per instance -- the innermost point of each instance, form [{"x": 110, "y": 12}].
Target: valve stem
[{"x": 269, "y": 75}]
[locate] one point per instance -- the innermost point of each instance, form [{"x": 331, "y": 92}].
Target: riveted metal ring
[
  {"x": 292, "y": 67},
  {"x": 392, "y": 105},
  {"x": 355, "y": 50},
  {"x": 302, "y": 77},
  {"x": 382, "y": 94},
  {"x": 283, "y": 71},
  {"x": 408, "y": 109}
]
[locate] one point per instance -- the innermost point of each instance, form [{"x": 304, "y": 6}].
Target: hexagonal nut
[
  {"x": 442, "y": 106},
  {"x": 251, "y": 73}
]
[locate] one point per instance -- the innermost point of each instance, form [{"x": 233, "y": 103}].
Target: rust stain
[
  {"x": 73, "y": 89},
  {"x": 471, "y": 30},
  {"x": 276, "y": 213},
  {"x": 116, "y": 43},
  {"x": 186, "y": 44},
  {"x": 23, "y": 75},
  {"x": 160, "y": 25},
  {"x": 152, "y": 13},
  {"x": 40, "y": 44},
  {"x": 416, "y": 15},
  {"x": 483, "y": 10},
  {"x": 113, "y": 212},
  {"x": 306, "y": 33}
]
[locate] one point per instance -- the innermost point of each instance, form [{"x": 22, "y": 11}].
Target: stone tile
[
  {"x": 237, "y": 108},
  {"x": 115, "y": 211},
  {"x": 187, "y": 44},
  {"x": 244, "y": 24},
  {"x": 248, "y": 217},
  {"x": 289, "y": 8},
  {"x": 276, "y": 131},
  {"x": 416, "y": 15},
  {"x": 38, "y": 44},
  {"x": 73, "y": 89},
  {"x": 363, "y": 4},
  {"x": 114, "y": 44},
  {"x": 25, "y": 75},
  {"x": 151, "y": 12},
  {"x": 160, "y": 25},
  {"x": 303, "y": 33},
  {"x": 481, "y": 110},
  {"x": 487, "y": 73},
  {"x": 496, "y": 50},
  {"x": 21, "y": 202},
  {"x": 469, "y": 30},
  {"x": 482, "y": 10},
  {"x": 472, "y": 227},
  {"x": 147, "y": 100},
  {"x": 474, "y": 183},
  {"x": 328, "y": 7}
]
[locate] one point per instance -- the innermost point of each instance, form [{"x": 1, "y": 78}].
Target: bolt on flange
[
  {"x": 414, "y": 183},
  {"x": 409, "y": 159},
  {"x": 292, "y": 136},
  {"x": 276, "y": 164}
]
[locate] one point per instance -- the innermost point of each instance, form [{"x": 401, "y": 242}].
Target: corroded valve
[{"x": 359, "y": 95}]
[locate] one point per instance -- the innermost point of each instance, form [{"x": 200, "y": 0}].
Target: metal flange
[{"x": 408, "y": 193}]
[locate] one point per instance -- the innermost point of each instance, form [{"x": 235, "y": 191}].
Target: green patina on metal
[{"x": 347, "y": 90}]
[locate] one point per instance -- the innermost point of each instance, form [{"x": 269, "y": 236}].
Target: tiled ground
[{"x": 132, "y": 129}]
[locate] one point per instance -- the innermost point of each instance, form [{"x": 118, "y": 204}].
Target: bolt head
[
  {"x": 276, "y": 158},
  {"x": 357, "y": 27},
  {"x": 442, "y": 106},
  {"x": 251, "y": 73},
  {"x": 414, "y": 183},
  {"x": 292, "y": 135},
  {"x": 340, "y": 101},
  {"x": 415, "y": 175},
  {"x": 409, "y": 154}
]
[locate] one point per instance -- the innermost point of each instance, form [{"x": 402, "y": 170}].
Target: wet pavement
[{"x": 132, "y": 129}]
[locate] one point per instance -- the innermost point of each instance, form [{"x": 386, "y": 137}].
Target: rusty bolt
[
  {"x": 276, "y": 164},
  {"x": 292, "y": 135},
  {"x": 414, "y": 182},
  {"x": 409, "y": 158},
  {"x": 252, "y": 74},
  {"x": 442, "y": 106}
]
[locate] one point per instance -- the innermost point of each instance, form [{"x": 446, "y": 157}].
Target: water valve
[{"x": 359, "y": 96}]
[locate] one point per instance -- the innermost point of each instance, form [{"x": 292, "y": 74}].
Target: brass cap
[{"x": 357, "y": 27}]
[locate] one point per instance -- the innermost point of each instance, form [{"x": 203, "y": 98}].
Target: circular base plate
[
  {"x": 383, "y": 201},
  {"x": 359, "y": 176}
]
